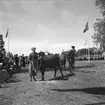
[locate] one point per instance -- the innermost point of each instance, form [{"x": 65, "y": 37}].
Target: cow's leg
[
  {"x": 0, "y": 85},
  {"x": 34, "y": 78},
  {"x": 61, "y": 71},
  {"x": 42, "y": 72},
  {"x": 43, "y": 76},
  {"x": 55, "y": 72},
  {"x": 64, "y": 67}
]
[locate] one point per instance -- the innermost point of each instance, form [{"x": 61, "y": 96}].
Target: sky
[{"x": 48, "y": 25}]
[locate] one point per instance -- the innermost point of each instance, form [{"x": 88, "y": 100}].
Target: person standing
[
  {"x": 23, "y": 60},
  {"x": 33, "y": 63},
  {"x": 16, "y": 60},
  {"x": 71, "y": 58}
]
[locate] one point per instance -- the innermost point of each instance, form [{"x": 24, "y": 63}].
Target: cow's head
[{"x": 41, "y": 53}]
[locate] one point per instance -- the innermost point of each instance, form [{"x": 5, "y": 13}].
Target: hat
[
  {"x": 33, "y": 48},
  {"x": 73, "y": 46}
]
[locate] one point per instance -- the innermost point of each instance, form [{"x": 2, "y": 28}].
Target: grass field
[{"x": 86, "y": 87}]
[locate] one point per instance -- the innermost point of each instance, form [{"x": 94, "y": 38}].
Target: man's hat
[
  {"x": 33, "y": 48},
  {"x": 73, "y": 46}
]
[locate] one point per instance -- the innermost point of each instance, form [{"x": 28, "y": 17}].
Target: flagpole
[
  {"x": 86, "y": 29},
  {"x": 8, "y": 38},
  {"x": 8, "y": 43},
  {"x": 88, "y": 52},
  {"x": 88, "y": 45},
  {"x": 86, "y": 48}
]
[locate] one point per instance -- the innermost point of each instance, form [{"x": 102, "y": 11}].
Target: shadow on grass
[
  {"x": 23, "y": 70},
  {"x": 85, "y": 66},
  {"x": 13, "y": 81},
  {"x": 101, "y": 103},
  {"x": 66, "y": 77},
  {"x": 86, "y": 71},
  {"x": 93, "y": 90},
  {"x": 3, "y": 87}
]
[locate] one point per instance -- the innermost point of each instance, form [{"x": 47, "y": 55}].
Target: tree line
[{"x": 99, "y": 26}]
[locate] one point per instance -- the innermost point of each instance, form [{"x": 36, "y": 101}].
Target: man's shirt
[
  {"x": 71, "y": 55},
  {"x": 33, "y": 57}
]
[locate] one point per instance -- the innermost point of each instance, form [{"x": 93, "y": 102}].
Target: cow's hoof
[
  {"x": 62, "y": 75},
  {"x": 30, "y": 80},
  {"x": 73, "y": 73},
  {"x": 42, "y": 79},
  {"x": 54, "y": 76},
  {"x": 34, "y": 79}
]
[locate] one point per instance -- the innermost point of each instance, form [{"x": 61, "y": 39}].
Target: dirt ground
[{"x": 86, "y": 87}]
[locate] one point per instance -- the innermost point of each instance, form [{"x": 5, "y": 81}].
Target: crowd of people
[
  {"x": 9, "y": 61},
  {"x": 10, "y": 64}
]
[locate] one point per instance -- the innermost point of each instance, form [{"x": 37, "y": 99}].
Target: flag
[
  {"x": 86, "y": 27},
  {"x": 7, "y": 33},
  {"x": 85, "y": 42}
]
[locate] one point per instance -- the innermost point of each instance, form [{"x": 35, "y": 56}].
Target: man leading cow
[{"x": 33, "y": 64}]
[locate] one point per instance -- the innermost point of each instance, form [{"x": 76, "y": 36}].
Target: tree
[
  {"x": 82, "y": 51},
  {"x": 2, "y": 49},
  {"x": 101, "y": 5},
  {"x": 99, "y": 33},
  {"x": 99, "y": 26},
  {"x": 92, "y": 51}
]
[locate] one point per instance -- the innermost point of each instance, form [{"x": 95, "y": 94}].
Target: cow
[{"x": 48, "y": 62}]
